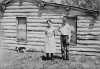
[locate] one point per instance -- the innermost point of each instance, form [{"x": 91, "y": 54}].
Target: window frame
[{"x": 17, "y": 29}]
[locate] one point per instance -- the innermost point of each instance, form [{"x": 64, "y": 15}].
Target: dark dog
[{"x": 20, "y": 49}]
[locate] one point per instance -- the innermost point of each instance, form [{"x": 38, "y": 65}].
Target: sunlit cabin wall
[
  {"x": 88, "y": 36},
  {"x": 36, "y": 25}
]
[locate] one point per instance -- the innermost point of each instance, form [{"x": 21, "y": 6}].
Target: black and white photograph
[{"x": 49, "y": 34}]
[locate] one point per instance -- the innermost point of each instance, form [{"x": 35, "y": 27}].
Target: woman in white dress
[{"x": 50, "y": 42}]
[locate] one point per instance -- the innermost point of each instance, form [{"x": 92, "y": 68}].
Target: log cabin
[{"x": 23, "y": 22}]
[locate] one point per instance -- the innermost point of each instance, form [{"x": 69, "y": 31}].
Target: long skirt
[{"x": 50, "y": 45}]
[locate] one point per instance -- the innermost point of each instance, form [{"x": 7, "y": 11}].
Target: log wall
[
  {"x": 88, "y": 39},
  {"x": 36, "y": 25}
]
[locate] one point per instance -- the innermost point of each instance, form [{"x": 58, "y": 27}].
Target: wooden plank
[
  {"x": 34, "y": 48},
  {"x": 36, "y": 43},
  {"x": 14, "y": 41},
  {"x": 36, "y": 39},
  {"x": 32, "y": 35},
  {"x": 36, "y": 25},
  {"x": 22, "y": 7},
  {"x": 5, "y": 30},
  {"x": 81, "y": 50},
  {"x": 20, "y": 14},
  {"x": 88, "y": 41},
  {"x": 84, "y": 21},
  {"x": 27, "y": 3},
  {"x": 32, "y": 10},
  {"x": 83, "y": 24},
  {"x": 89, "y": 31},
  {"x": 7, "y": 17},
  {"x": 86, "y": 46},
  {"x": 86, "y": 36},
  {"x": 31, "y": 32},
  {"x": 9, "y": 41},
  {"x": 36, "y": 28},
  {"x": 97, "y": 24},
  {"x": 10, "y": 27},
  {"x": 88, "y": 28},
  {"x": 84, "y": 49},
  {"x": 85, "y": 53},
  {"x": 92, "y": 32},
  {"x": 9, "y": 24},
  {"x": 52, "y": 16},
  {"x": 48, "y": 14},
  {"x": 8, "y": 20},
  {"x": 84, "y": 17},
  {"x": 9, "y": 38},
  {"x": 36, "y": 20}
]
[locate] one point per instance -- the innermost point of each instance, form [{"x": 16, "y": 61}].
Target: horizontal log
[
  {"x": 9, "y": 41},
  {"x": 84, "y": 21},
  {"x": 88, "y": 28},
  {"x": 20, "y": 14},
  {"x": 95, "y": 31},
  {"x": 37, "y": 24},
  {"x": 86, "y": 36},
  {"x": 10, "y": 38},
  {"x": 32, "y": 35},
  {"x": 8, "y": 20},
  {"x": 88, "y": 41},
  {"x": 98, "y": 44},
  {"x": 30, "y": 29},
  {"x": 31, "y": 32},
  {"x": 36, "y": 43},
  {"x": 51, "y": 16},
  {"x": 36, "y": 39},
  {"x": 84, "y": 53},
  {"x": 36, "y": 20},
  {"x": 36, "y": 28},
  {"x": 31, "y": 10},
  {"x": 9, "y": 24},
  {"x": 22, "y": 7},
  {"x": 84, "y": 17},
  {"x": 33, "y": 48},
  {"x": 92, "y": 32},
  {"x": 9, "y": 31},
  {"x": 48, "y": 14},
  {"x": 97, "y": 21},
  {"x": 13, "y": 41},
  {"x": 81, "y": 49},
  {"x": 96, "y": 24},
  {"x": 83, "y": 26},
  {"x": 26, "y": 3},
  {"x": 84, "y": 49},
  {"x": 86, "y": 46},
  {"x": 10, "y": 27}
]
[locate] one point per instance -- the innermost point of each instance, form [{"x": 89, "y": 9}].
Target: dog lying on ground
[{"x": 20, "y": 49}]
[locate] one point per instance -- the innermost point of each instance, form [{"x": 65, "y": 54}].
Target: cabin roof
[{"x": 43, "y": 3}]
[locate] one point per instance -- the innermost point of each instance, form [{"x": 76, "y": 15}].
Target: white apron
[{"x": 50, "y": 42}]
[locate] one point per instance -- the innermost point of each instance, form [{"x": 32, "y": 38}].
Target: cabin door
[{"x": 73, "y": 21}]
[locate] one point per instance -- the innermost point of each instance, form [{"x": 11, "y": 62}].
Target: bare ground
[{"x": 10, "y": 59}]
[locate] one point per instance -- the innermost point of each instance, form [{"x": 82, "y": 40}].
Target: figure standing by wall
[
  {"x": 50, "y": 42},
  {"x": 65, "y": 37}
]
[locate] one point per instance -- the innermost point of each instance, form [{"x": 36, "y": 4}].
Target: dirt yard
[{"x": 10, "y": 59}]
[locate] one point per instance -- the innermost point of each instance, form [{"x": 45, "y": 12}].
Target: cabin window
[{"x": 21, "y": 29}]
